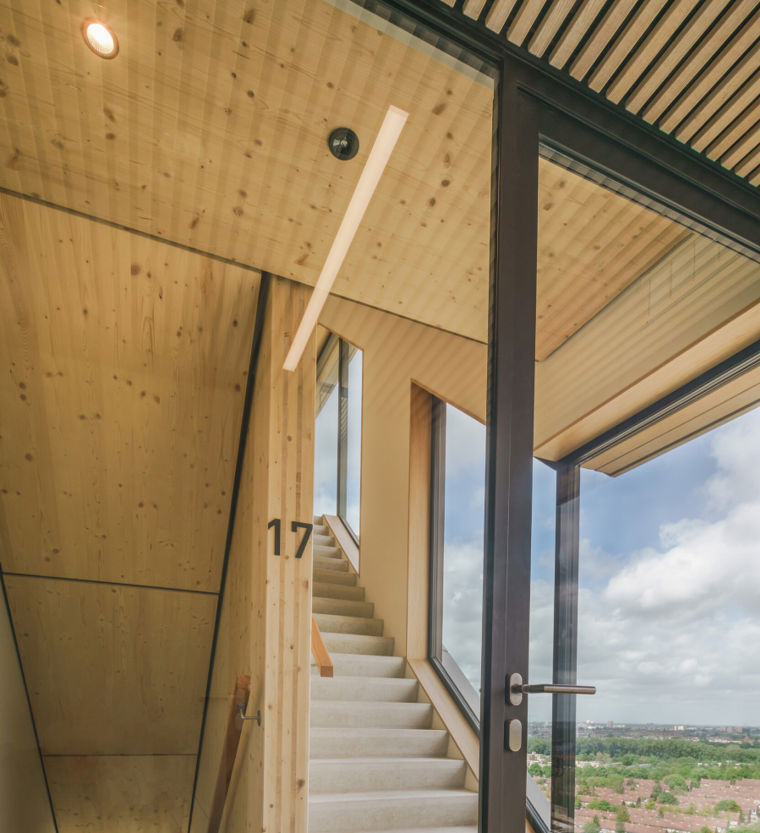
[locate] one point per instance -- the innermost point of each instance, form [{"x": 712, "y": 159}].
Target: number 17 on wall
[{"x": 294, "y": 526}]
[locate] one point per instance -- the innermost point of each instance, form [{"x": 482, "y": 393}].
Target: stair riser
[
  {"x": 332, "y": 564},
  {"x": 348, "y": 643},
  {"x": 339, "y": 743},
  {"x": 342, "y": 607},
  {"x": 330, "y": 590},
  {"x": 342, "y": 714},
  {"x": 376, "y": 814},
  {"x": 366, "y": 665},
  {"x": 359, "y": 689},
  {"x": 351, "y": 776},
  {"x": 349, "y": 624},
  {"x": 334, "y": 577}
]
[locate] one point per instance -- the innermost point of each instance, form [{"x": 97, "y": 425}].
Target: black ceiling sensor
[{"x": 343, "y": 143}]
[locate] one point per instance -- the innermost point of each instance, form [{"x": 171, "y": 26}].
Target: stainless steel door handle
[{"x": 517, "y": 688}]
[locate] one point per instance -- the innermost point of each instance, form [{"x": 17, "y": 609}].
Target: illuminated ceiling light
[
  {"x": 388, "y": 135},
  {"x": 100, "y": 38}
]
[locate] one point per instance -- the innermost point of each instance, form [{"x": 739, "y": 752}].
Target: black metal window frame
[{"x": 335, "y": 342}]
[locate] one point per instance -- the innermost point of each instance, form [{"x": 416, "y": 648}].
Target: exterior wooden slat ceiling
[{"x": 689, "y": 67}]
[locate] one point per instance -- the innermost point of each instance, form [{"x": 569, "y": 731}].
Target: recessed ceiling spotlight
[{"x": 100, "y": 38}]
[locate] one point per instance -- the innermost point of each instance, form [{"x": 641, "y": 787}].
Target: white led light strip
[{"x": 387, "y": 136}]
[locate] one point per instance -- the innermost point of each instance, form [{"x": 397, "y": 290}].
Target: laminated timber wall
[
  {"x": 23, "y": 798},
  {"x": 266, "y": 611},
  {"x": 124, "y": 362}
]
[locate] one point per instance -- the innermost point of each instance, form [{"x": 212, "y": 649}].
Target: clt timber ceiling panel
[
  {"x": 210, "y": 129},
  {"x": 113, "y": 670},
  {"x": 691, "y": 68},
  {"x": 121, "y": 794},
  {"x": 124, "y": 365}
]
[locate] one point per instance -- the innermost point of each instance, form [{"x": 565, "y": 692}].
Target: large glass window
[
  {"x": 326, "y": 431},
  {"x": 338, "y": 432},
  {"x": 457, "y": 526}
]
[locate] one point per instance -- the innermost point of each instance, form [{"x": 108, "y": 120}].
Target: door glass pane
[
  {"x": 541, "y": 636},
  {"x": 669, "y": 623},
  {"x": 464, "y": 510},
  {"x": 634, "y": 304},
  {"x": 354, "y": 439}
]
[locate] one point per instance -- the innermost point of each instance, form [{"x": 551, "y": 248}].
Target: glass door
[{"x": 646, "y": 387}]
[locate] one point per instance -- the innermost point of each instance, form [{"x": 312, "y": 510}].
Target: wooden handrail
[
  {"x": 229, "y": 749},
  {"x": 319, "y": 650}
]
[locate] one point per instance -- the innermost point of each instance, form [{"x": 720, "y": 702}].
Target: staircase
[{"x": 377, "y": 763}]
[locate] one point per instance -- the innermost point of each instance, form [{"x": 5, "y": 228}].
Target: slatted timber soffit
[{"x": 689, "y": 67}]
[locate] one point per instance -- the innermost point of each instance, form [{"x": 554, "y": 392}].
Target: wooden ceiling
[
  {"x": 690, "y": 67},
  {"x": 210, "y": 129},
  {"x": 124, "y": 365}
]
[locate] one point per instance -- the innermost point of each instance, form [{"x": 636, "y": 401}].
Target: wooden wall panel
[
  {"x": 396, "y": 353},
  {"x": 24, "y": 804},
  {"x": 289, "y": 434},
  {"x": 124, "y": 364},
  {"x": 113, "y": 669},
  {"x": 266, "y": 615},
  {"x": 240, "y": 649},
  {"x": 117, "y": 794}
]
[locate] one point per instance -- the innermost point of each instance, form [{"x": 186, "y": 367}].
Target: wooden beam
[
  {"x": 344, "y": 540},
  {"x": 320, "y": 652},
  {"x": 229, "y": 750}
]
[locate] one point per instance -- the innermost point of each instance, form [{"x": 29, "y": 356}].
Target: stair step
[
  {"x": 351, "y": 643},
  {"x": 389, "y": 810},
  {"x": 356, "y": 715},
  {"x": 323, "y": 537},
  {"x": 333, "y": 577},
  {"x": 378, "y": 743},
  {"x": 346, "y": 775},
  {"x": 444, "y": 829},
  {"x": 366, "y": 665},
  {"x": 328, "y": 551},
  {"x": 338, "y": 623},
  {"x": 342, "y": 607},
  {"x": 332, "y": 564},
  {"x": 366, "y": 689},
  {"x": 336, "y": 589}
]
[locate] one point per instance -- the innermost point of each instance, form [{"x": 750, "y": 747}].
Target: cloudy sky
[
  {"x": 669, "y": 605},
  {"x": 326, "y": 449}
]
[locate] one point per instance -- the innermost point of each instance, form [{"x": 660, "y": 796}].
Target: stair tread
[
  {"x": 345, "y": 623},
  {"x": 393, "y": 795},
  {"x": 440, "y": 829},
  {"x": 454, "y": 763},
  {"x": 377, "y": 731}
]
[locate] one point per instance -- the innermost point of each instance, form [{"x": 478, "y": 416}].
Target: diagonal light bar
[{"x": 387, "y": 136}]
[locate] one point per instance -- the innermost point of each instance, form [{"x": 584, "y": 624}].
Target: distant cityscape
[{"x": 654, "y": 778}]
